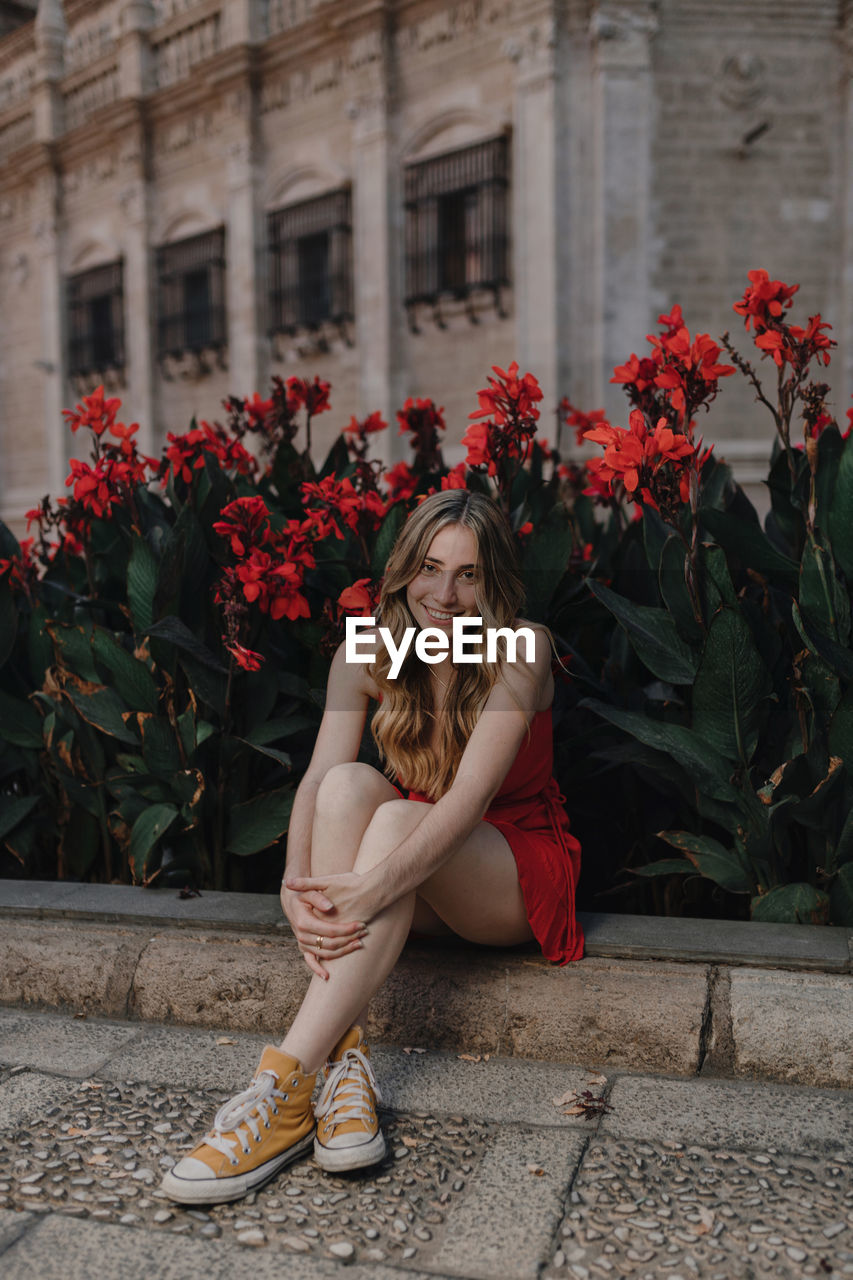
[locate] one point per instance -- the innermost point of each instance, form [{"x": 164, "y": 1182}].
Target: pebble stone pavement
[{"x": 485, "y": 1175}]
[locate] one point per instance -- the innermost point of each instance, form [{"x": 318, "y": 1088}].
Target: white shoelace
[
  {"x": 245, "y": 1109},
  {"x": 356, "y": 1074}
]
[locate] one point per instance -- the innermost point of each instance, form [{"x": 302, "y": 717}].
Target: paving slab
[
  {"x": 60, "y": 1248},
  {"x": 196, "y": 1059},
  {"x": 59, "y": 1044},
  {"x": 26, "y": 1094},
  {"x": 719, "y": 941},
  {"x": 512, "y": 1090},
  {"x": 56, "y": 963},
  {"x": 35, "y": 896},
  {"x": 13, "y": 1225},
  {"x": 652, "y": 1209},
  {"x": 505, "y": 1225},
  {"x": 730, "y": 1113},
  {"x": 793, "y": 1026}
]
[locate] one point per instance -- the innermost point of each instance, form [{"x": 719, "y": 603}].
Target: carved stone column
[
  {"x": 622, "y": 31},
  {"x": 50, "y": 37},
  {"x": 378, "y": 235},
  {"x": 137, "y": 17},
  {"x": 248, "y": 360},
  {"x": 53, "y": 360},
  {"x": 538, "y": 257}
]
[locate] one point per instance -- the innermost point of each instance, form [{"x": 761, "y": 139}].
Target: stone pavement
[{"x": 486, "y": 1175}]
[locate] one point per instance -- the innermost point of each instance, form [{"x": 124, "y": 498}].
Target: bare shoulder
[
  {"x": 355, "y": 677},
  {"x": 529, "y": 677}
]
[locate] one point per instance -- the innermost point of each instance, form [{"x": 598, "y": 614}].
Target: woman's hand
[
  {"x": 310, "y": 915},
  {"x": 335, "y": 899}
]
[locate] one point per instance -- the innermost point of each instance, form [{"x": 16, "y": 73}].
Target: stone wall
[{"x": 659, "y": 149}]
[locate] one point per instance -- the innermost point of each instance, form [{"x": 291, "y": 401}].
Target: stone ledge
[
  {"x": 608, "y": 934},
  {"x": 665, "y": 1015}
]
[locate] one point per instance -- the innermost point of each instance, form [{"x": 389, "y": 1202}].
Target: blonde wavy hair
[{"x": 404, "y": 718}]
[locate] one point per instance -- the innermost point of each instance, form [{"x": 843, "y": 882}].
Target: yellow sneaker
[
  {"x": 348, "y": 1133},
  {"x": 254, "y": 1135}
]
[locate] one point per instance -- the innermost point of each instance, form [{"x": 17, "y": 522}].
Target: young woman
[{"x": 478, "y": 847}]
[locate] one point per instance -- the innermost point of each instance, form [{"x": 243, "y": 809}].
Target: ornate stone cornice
[{"x": 621, "y": 32}]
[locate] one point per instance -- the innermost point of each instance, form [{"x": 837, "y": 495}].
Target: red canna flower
[
  {"x": 401, "y": 482},
  {"x": 360, "y": 599},
  {"x": 335, "y": 500},
  {"x": 455, "y": 478},
  {"x": 764, "y": 301},
  {"x": 21, "y": 571},
  {"x": 245, "y": 522},
  {"x": 96, "y": 412},
  {"x": 246, "y": 658},
  {"x": 313, "y": 396}
]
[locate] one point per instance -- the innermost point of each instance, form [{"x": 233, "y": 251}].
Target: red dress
[{"x": 529, "y": 812}]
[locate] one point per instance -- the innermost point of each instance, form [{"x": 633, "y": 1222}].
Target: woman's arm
[{"x": 487, "y": 759}]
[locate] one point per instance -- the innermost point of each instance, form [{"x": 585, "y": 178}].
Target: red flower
[
  {"x": 640, "y": 373},
  {"x": 98, "y": 489},
  {"x": 274, "y": 585},
  {"x": 637, "y": 457},
  {"x": 95, "y": 412},
  {"x": 764, "y": 300},
  {"x": 508, "y": 398},
  {"x": 245, "y": 523},
  {"x": 359, "y": 600},
  {"x": 368, "y": 426},
  {"x": 582, "y": 422},
  {"x": 455, "y": 478},
  {"x": 21, "y": 571},
  {"x": 314, "y": 396},
  {"x": 482, "y": 449},
  {"x": 186, "y": 453},
  {"x": 246, "y": 658},
  {"x": 401, "y": 482},
  {"x": 338, "y": 499}
]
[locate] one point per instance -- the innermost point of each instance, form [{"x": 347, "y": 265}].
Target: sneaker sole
[
  {"x": 222, "y": 1190},
  {"x": 340, "y": 1159}
]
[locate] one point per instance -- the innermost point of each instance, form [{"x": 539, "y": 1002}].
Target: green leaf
[
  {"x": 752, "y": 547},
  {"x": 255, "y": 824},
  {"x": 835, "y": 655},
  {"x": 841, "y": 897},
  {"x": 665, "y": 867},
  {"x": 711, "y": 772},
  {"x": 74, "y": 651},
  {"x": 148, "y": 828},
  {"x": 281, "y": 756},
  {"x": 841, "y": 512},
  {"x": 672, "y": 580},
  {"x": 841, "y": 731},
  {"x": 731, "y": 685},
  {"x": 545, "y": 560},
  {"x": 272, "y": 730},
  {"x": 132, "y": 679},
  {"x": 40, "y": 645},
  {"x": 159, "y": 746},
  {"x": 788, "y": 517},
  {"x": 20, "y": 723},
  {"x": 8, "y": 622},
  {"x": 715, "y": 581},
  {"x": 141, "y": 585},
  {"x": 791, "y": 904},
  {"x": 386, "y": 537},
  {"x": 830, "y": 447},
  {"x": 176, "y": 632},
  {"x": 817, "y": 588},
  {"x": 653, "y": 634},
  {"x": 13, "y": 809},
  {"x": 712, "y": 859},
  {"x": 102, "y": 708}
]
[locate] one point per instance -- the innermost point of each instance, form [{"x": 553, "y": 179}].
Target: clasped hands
[{"x": 328, "y": 915}]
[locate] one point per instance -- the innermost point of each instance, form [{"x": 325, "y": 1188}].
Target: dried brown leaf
[{"x": 225, "y": 1040}]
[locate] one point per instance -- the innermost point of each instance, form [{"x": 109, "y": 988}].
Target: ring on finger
[{"x": 320, "y": 942}]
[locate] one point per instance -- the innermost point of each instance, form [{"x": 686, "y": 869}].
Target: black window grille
[
  {"x": 311, "y": 263},
  {"x": 95, "y": 301},
  {"x": 457, "y": 222},
  {"x": 191, "y": 294}
]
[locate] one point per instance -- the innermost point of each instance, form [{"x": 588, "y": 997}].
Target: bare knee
[
  {"x": 348, "y": 789},
  {"x": 391, "y": 823}
]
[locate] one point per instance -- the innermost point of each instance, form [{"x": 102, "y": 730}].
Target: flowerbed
[{"x": 165, "y": 633}]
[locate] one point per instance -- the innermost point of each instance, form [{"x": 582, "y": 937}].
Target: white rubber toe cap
[{"x": 192, "y": 1169}]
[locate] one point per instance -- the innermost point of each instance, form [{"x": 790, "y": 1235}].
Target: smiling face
[{"x": 445, "y": 586}]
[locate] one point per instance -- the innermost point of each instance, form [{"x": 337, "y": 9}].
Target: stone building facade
[{"x": 396, "y": 194}]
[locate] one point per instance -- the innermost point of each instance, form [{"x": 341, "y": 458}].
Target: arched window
[
  {"x": 191, "y": 315},
  {"x": 457, "y": 222},
  {"x": 95, "y": 304},
  {"x": 310, "y": 246}
]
